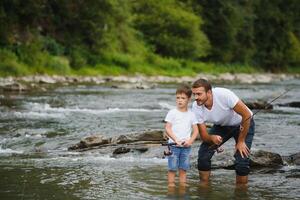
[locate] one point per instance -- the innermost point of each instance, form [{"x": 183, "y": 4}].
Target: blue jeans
[
  {"x": 205, "y": 154},
  {"x": 180, "y": 158}
]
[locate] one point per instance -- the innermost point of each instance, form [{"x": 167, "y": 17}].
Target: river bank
[{"x": 139, "y": 81}]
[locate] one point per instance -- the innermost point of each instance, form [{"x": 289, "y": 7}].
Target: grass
[{"x": 118, "y": 64}]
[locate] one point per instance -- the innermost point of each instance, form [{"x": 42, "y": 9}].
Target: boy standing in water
[{"x": 181, "y": 128}]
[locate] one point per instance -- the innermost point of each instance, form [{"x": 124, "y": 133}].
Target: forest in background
[{"x": 151, "y": 37}]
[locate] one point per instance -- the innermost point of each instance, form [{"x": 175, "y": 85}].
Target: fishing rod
[{"x": 215, "y": 146}]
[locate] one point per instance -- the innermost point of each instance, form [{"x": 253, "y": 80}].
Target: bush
[
  {"x": 171, "y": 30},
  {"x": 77, "y": 57},
  {"x": 51, "y": 46},
  {"x": 9, "y": 64},
  {"x": 58, "y": 65}
]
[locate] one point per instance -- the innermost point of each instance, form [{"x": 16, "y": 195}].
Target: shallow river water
[{"x": 36, "y": 128}]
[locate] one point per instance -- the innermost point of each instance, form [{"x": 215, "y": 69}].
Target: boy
[{"x": 180, "y": 123}]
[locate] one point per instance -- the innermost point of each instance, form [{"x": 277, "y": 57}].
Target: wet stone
[{"x": 121, "y": 150}]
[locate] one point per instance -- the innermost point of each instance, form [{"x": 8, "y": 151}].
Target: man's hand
[
  {"x": 242, "y": 148},
  {"x": 216, "y": 139}
]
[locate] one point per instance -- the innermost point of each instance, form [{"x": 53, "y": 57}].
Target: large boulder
[
  {"x": 265, "y": 159},
  {"x": 91, "y": 141},
  {"x": 152, "y": 136},
  {"x": 258, "y": 159}
]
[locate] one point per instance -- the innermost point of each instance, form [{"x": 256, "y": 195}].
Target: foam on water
[
  {"x": 165, "y": 105},
  {"x": 47, "y": 108},
  {"x": 9, "y": 151}
]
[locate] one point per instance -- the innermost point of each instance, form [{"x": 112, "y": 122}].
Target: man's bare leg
[
  {"x": 204, "y": 176},
  {"x": 241, "y": 180}
]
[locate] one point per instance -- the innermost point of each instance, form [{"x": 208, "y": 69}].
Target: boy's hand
[
  {"x": 178, "y": 142},
  {"x": 187, "y": 143}
]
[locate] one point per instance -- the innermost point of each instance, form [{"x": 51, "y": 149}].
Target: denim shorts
[{"x": 180, "y": 158}]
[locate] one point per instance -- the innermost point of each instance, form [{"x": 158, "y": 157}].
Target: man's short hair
[
  {"x": 184, "y": 89},
  {"x": 202, "y": 83}
]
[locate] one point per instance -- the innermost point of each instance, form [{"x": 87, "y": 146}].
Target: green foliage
[
  {"x": 171, "y": 37},
  {"x": 170, "y": 30},
  {"x": 9, "y": 64},
  {"x": 78, "y": 57},
  {"x": 276, "y": 34},
  {"x": 58, "y": 65},
  {"x": 52, "y": 46},
  {"x": 228, "y": 25},
  {"x": 294, "y": 50}
]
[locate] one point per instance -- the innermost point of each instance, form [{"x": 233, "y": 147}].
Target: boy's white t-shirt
[
  {"x": 222, "y": 112},
  {"x": 182, "y": 123}
]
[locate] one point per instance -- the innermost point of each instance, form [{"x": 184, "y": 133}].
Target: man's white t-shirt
[
  {"x": 222, "y": 112},
  {"x": 182, "y": 123}
]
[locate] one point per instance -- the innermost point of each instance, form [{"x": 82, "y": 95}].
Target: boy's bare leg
[
  {"x": 204, "y": 176},
  {"x": 241, "y": 180},
  {"x": 182, "y": 177},
  {"x": 182, "y": 189},
  {"x": 171, "y": 178}
]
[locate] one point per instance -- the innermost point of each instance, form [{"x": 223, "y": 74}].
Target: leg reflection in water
[
  {"x": 241, "y": 192},
  {"x": 179, "y": 191},
  {"x": 204, "y": 190}
]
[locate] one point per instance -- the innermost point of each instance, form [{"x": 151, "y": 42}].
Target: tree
[
  {"x": 229, "y": 27},
  {"x": 170, "y": 30}
]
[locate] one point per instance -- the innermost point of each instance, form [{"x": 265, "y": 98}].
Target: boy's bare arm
[
  {"x": 193, "y": 137},
  {"x": 170, "y": 133}
]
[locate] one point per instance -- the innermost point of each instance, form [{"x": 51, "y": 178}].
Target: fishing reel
[{"x": 169, "y": 152}]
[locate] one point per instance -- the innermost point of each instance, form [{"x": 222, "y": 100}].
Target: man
[{"x": 231, "y": 118}]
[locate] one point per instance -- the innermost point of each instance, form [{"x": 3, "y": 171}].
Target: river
[{"x": 36, "y": 128}]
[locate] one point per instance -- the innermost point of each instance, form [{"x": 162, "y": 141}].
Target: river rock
[
  {"x": 147, "y": 137},
  {"x": 294, "y": 104},
  {"x": 153, "y": 135},
  {"x": 259, "y": 105},
  {"x": 293, "y": 159},
  {"x": 258, "y": 159},
  {"x": 294, "y": 173},
  {"x": 133, "y": 86},
  {"x": 13, "y": 87},
  {"x": 265, "y": 159},
  {"x": 91, "y": 141},
  {"x": 121, "y": 150},
  {"x": 123, "y": 139}
]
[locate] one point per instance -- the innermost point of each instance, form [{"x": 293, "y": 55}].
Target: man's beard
[{"x": 201, "y": 104}]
